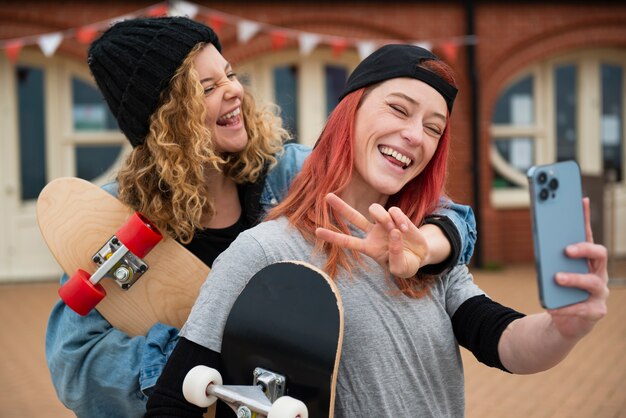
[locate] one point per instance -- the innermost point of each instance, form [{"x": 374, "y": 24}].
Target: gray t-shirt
[{"x": 399, "y": 358}]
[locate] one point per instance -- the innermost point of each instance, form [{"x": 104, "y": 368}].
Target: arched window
[{"x": 569, "y": 107}]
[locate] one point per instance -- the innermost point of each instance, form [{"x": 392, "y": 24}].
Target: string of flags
[{"x": 246, "y": 30}]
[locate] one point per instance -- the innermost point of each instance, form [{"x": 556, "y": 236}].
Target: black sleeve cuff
[
  {"x": 449, "y": 230},
  {"x": 167, "y": 400},
  {"x": 478, "y": 325}
]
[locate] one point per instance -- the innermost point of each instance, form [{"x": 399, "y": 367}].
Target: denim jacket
[{"x": 99, "y": 371}]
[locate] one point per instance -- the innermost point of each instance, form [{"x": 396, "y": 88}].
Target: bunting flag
[
  {"x": 246, "y": 30},
  {"x": 49, "y": 43},
  {"x": 308, "y": 42},
  {"x": 86, "y": 34},
  {"x": 450, "y": 51},
  {"x": 184, "y": 8},
  {"x": 425, "y": 45},
  {"x": 338, "y": 46},
  {"x": 12, "y": 49},
  {"x": 216, "y": 22},
  {"x": 158, "y": 10},
  {"x": 365, "y": 49},
  {"x": 119, "y": 19},
  {"x": 279, "y": 40}
]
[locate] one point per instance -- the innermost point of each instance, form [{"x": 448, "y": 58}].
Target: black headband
[{"x": 394, "y": 61}]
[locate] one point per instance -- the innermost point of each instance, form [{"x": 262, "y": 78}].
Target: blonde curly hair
[{"x": 164, "y": 178}]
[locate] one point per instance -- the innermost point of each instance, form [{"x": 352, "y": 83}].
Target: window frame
[
  {"x": 71, "y": 138},
  {"x": 310, "y": 84},
  {"x": 543, "y": 132},
  {"x": 61, "y": 139}
]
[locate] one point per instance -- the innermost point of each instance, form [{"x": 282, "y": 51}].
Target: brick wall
[
  {"x": 25, "y": 18},
  {"x": 511, "y": 36}
]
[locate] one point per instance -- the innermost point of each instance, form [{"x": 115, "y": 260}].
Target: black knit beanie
[
  {"x": 398, "y": 60},
  {"x": 133, "y": 62}
]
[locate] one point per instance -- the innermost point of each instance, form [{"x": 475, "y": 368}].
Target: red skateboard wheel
[
  {"x": 139, "y": 235},
  {"x": 80, "y": 294}
]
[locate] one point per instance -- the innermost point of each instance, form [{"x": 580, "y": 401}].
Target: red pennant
[
  {"x": 157, "y": 11},
  {"x": 279, "y": 40},
  {"x": 338, "y": 46},
  {"x": 12, "y": 49},
  {"x": 450, "y": 51},
  {"x": 86, "y": 34},
  {"x": 216, "y": 23}
]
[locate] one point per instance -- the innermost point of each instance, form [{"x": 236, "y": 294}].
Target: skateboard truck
[
  {"x": 272, "y": 384},
  {"x": 116, "y": 261},
  {"x": 203, "y": 386},
  {"x": 120, "y": 258}
]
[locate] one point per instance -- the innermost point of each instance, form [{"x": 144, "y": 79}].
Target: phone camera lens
[
  {"x": 542, "y": 177},
  {"x": 554, "y": 184},
  {"x": 544, "y": 194}
]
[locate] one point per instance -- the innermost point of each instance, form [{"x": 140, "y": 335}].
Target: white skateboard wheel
[
  {"x": 288, "y": 407},
  {"x": 196, "y": 383}
]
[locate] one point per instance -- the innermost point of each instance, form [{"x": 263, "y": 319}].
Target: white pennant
[
  {"x": 184, "y": 8},
  {"x": 120, "y": 19},
  {"x": 365, "y": 49},
  {"x": 246, "y": 29},
  {"x": 49, "y": 43},
  {"x": 308, "y": 42},
  {"x": 425, "y": 45}
]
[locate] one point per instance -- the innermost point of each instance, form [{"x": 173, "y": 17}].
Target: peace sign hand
[{"x": 392, "y": 239}]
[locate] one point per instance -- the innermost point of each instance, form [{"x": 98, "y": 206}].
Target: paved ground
[{"x": 591, "y": 382}]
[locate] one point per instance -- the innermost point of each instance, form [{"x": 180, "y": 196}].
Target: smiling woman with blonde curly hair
[
  {"x": 207, "y": 163},
  {"x": 165, "y": 178}
]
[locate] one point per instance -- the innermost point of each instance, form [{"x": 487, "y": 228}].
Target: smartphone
[{"x": 557, "y": 221}]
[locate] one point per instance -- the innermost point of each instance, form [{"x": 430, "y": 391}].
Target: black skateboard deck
[{"x": 288, "y": 320}]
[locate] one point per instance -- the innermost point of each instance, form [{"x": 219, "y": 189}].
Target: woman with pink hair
[{"x": 377, "y": 169}]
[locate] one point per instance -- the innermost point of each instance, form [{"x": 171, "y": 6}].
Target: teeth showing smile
[
  {"x": 406, "y": 161},
  {"x": 229, "y": 117}
]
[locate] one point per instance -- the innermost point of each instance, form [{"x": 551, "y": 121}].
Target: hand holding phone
[{"x": 557, "y": 221}]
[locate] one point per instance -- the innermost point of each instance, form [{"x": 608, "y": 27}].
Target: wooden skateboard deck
[
  {"x": 77, "y": 217},
  {"x": 287, "y": 320}
]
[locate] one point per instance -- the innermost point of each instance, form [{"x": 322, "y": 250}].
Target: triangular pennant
[
  {"x": 450, "y": 51},
  {"x": 183, "y": 8},
  {"x": 279, "y": 39},
  {"x": 365, "y": 49},
  {"x": 216, "y": 23},
  {"x": 49, "y": 43},
  {"x": 156, "y": 11},
  {"x": 308, "y": 42},
  {"x": 338, "y": 46},
  {"x": 120, "y": 19},
  {"x": 246, "y": 29},
  {"x": 424, "y": 44},
  {"x": 86, "y": 34},
  {"x": 12, "y": 49}
]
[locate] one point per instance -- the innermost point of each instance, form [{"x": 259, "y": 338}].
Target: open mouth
[
  {"x": 396, "y": 157},
  {"x": 229, "y": 119}
]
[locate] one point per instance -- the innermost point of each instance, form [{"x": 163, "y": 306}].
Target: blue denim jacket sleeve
[
  {"x": 463, "y": 218},
  {"x": 279, "y": 178},
  {"x": 99, "y": 371}
]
